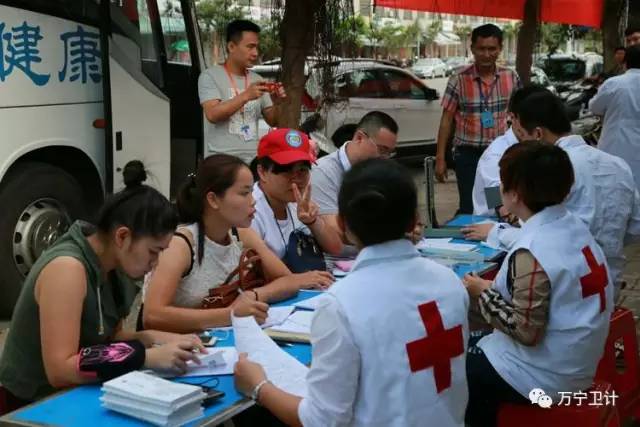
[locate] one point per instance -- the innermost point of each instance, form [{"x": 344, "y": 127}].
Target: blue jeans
[{"x": 466, "y": 159}]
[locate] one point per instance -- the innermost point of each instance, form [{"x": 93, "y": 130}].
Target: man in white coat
[
  {"x": 388, "y": 340},
  {"x": 618, "y": 100},
  {"x": 488, "y": 172},
  {"x": 603, "y": 196}
]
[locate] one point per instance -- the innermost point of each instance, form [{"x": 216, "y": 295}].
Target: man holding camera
[{"x": 233, "y": 98}]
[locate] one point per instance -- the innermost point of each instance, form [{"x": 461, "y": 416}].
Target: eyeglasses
[
  {"x": 383, "y": 151},
  {"x": 291, "y": 169}
]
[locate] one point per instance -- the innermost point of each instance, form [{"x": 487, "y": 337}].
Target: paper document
[
  {"x": 298, "y": 323},
  {"x": 444, "y": 244},
  {"x": 277, "y": 315},
  {"x": 283, "y": 370},
  {"x": 219, "y": 361},
  {"x": 310, "y": 303}
]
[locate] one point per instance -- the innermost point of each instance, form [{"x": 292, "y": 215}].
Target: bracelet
[
  {"x": 255, "y": 293},
  {"x": 311, "y": 223},
  {"x": 256, "y": 389}
]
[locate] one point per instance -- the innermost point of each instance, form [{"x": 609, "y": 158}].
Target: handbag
[
  {"x": 249, "y": 275},
  {"x": 303, "y": 254}
]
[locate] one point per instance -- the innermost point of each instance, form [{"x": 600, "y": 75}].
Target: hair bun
[{"x": 134, "y": 174}]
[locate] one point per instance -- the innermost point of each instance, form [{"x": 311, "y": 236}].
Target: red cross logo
[
  {"x": 597, "y": 279},
  {"x": 437, "y": 348}
]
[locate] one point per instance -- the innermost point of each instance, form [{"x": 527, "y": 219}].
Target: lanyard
[
  {"x": 234, "y": 87},
  {"x": 485, "y": 100}
]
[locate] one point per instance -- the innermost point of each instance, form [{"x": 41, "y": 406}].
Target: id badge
[
  {"x": 247, "y": 132},
  {"x": 487, "y": 119}
]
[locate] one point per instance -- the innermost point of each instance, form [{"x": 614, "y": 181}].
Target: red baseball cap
[{"x": 285, "y": 146}]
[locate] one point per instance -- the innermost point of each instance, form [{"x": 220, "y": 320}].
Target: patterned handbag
[{"x": 248, "y": 275}]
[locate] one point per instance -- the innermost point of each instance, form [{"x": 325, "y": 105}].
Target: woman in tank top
[{"x": 213, "y": 202}]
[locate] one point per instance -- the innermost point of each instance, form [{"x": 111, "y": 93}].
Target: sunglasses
[{"x": 304, "y": 167}]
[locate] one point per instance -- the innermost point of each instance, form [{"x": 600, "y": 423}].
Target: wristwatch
[{"x": 256, "y": 389}]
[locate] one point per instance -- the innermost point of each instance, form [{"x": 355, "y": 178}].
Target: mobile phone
[
  {"x": 212, "y": 395},
  {"x": 207, "y": 340}
]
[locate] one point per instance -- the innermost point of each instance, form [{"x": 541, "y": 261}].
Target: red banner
[{"x": 576, "y": 12}]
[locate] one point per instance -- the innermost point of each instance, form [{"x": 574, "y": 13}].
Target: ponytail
[{"x": 215, "y": 174}]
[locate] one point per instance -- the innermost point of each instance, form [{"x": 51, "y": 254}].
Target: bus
[{"x": 86, "y": 86}]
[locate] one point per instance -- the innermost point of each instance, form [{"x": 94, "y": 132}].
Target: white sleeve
[
  {"x": 600, "y": 102},
  {"x": 503, "y": 236},
  {"x": 332, "y": 381}
]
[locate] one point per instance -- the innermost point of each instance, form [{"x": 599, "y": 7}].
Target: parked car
[
  {"x": 429, "y": 68},
  {"x": 565, "y": 71},
  {"x": 364, "y": 86},
  {"x": 455, "y": 63},
  {"x": 539, "y": 77}
]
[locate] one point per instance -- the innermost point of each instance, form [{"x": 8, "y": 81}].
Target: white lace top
[{"x": 217, "y": 262}]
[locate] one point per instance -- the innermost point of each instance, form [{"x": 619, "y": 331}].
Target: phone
[
  {"x": 212, "y": 395},
  {"x": 208, "y": 340}
]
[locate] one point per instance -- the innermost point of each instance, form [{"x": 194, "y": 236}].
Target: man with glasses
[{"x": 375, "y": 137}]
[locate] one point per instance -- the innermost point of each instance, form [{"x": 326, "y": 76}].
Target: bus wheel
[{"x": 39, "y": 202}]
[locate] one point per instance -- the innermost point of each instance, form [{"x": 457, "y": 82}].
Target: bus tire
[{"x": 39, "y": 201}]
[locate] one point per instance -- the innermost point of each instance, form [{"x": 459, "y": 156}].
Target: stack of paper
[
  {"x": 153, "y": 399},
  {"x": 282, "y": 369},
  {"x": 277, "y": 315},
  {"x": 298, "y": 323}
]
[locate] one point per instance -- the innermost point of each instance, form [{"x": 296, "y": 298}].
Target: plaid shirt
[{"x": 463, "y": 98}]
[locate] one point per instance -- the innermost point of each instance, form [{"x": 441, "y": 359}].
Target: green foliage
[
  {"x": 214, "y": 15},
  {"x": 349, "y": 34},
  {"x": 553, "y": 36}
]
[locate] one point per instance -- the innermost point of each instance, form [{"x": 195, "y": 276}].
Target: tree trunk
[
  {"x": 527, "y": 40},
  {"x": 296, "y": 36},
  {"x": 611, "y": 38}
]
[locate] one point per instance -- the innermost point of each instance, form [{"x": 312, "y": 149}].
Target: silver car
[
  {"x": 364, "y": 86},
  {"x": 430, "y": 68}
]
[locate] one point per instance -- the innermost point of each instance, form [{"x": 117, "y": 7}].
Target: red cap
[{"x": 285, "y": 146}]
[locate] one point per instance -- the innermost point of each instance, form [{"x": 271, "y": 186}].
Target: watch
[{"x": 256, "y": 389}]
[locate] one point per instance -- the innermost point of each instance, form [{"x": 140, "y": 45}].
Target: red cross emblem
[
  {"x": 597, "y": 279},
  {"x": 437, "y": 348}
]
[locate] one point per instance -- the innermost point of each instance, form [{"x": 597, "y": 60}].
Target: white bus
[{"x": 86, "y": 86}]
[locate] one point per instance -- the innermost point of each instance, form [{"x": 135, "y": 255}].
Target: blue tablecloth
[{"x": 81, "y": 405}]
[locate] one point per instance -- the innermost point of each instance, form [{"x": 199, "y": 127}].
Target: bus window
[
  {"x": 137, "y": 13},
  {"x": 175, "y": 36}
]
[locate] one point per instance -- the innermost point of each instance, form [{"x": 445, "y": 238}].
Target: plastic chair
[
  {"x": 626, "y": 383},
  {"x": 511, "y": 415}
]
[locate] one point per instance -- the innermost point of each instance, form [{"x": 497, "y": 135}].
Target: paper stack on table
[
  {"x": 298, "y": 323},
  {"x": 153, "y": 399},
  {"x": 282, "y": 369},
  {"x": 277, "y": 315}
]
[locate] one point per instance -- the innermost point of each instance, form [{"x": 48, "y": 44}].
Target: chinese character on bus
[
  {"x": 19, "y": 49},
  {"x": 81, "y": 56}
]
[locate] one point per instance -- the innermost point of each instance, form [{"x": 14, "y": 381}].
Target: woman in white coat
[{"x": 389, "y": 339}]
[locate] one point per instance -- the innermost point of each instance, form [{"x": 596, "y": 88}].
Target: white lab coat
[
  {"x": 361, "y": 373},
  {"x": 580, "y": 306},
  {"x": 618, "y": 100},
  {"x": 488, "y": 171},
  {"x": 603, "y": 196}
]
